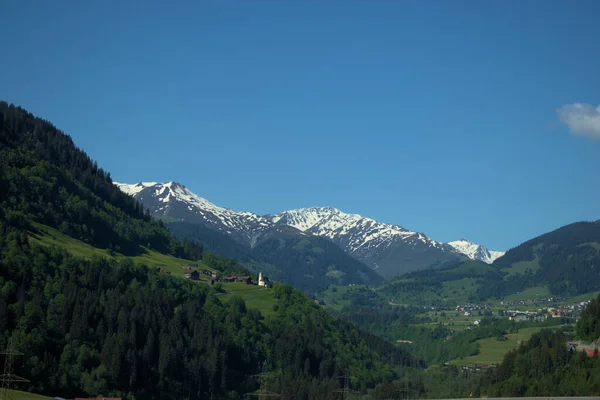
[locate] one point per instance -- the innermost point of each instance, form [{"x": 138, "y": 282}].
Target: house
[
  {"x": 590, "y": 353},
  {"x": 519, "y": 318},
  {"x": 264, "y": 281},
  {"x": 194, "y": 275},
  {"x": 246, "y": 279},
  {"x": 231, "y": 278}
]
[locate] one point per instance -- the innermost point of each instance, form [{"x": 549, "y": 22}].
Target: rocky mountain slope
[
  {"x": 390, "y": 250},
  {"x": 308, "y": 262}
]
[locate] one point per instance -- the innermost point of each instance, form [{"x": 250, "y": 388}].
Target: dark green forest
[
  {"x": 544, "y": 366},
  {"x": 45, "y": 178},
  {"x": 91, "y": 327},
  {"x": 568, "y": 258}
]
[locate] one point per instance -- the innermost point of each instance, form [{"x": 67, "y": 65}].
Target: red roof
[{"x": 590, "y": 353}]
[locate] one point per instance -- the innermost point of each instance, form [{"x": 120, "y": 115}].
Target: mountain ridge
[
  {"x": 305, "y": 261},
  {"x": 386, "y": 248}
]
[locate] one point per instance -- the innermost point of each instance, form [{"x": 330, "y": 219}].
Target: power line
[
  {"x": 7, "y": 376},
  {"x": 262, "y": 392},
  {"x": 346, "y": 391}
]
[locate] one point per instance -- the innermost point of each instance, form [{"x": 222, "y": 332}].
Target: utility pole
[
  {"x": 262, "y": 392},
  {"x": 7, "y": 376}
]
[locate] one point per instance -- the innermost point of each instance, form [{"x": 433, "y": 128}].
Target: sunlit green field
[
  {"x": 521, "y": 267},
  {"x": 254, "y": 296},
  {"x": 492, "y": 351},
  {"x": 52, "y": 237},
  {"x": 531, "y": 293},
  {"x": 18, "y": 395}
]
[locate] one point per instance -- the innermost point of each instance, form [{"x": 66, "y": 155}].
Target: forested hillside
[
  {"x": 102, "y": 326},
  {"x": 567, "y": 260},
  {"x": 46, "y": 179}
]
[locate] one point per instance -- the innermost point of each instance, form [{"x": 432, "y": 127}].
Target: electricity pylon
[
  {"x": 346, "y": 391},
  {"x": 262, "y": 392},
  {"x": 7, "y": 376}
]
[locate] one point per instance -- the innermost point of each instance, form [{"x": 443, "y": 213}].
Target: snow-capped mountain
[
  {"x": 361, "y": 235},
  {"x": 475, "y": 251},
  {"x": 390, "y": 250},
  {"x": 356, "y": 234},
  {"x": 282, "y": 252},
  {"x": 175, "y": 201}
]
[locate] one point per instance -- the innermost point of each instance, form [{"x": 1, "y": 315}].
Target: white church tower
[{"x": 261, "y": 282}]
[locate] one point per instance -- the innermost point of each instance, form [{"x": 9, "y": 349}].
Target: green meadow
[{"x": 254, "y": 296}]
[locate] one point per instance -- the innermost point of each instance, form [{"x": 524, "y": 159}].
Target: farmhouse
[
  {"x": 194, "y": 275},
  {"x": 246, "y": 279}
]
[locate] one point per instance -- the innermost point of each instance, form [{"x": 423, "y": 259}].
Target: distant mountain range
[{"x": 389, "y": 250}]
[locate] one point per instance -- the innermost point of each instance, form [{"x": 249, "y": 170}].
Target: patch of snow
[
  {"x": 475, "y": 251},
  {"x": 135, "y": 188}
]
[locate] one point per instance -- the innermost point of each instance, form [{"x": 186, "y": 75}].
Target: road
[{"x": 532, "y": 398}]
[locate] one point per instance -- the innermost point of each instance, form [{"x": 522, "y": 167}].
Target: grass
[
  {"x": 521, "y": 267},
  {"x": 254, "y": 296},
  {"x": 530, "y": 293},
  {"x": 335, "y": 297},
  {"x": 459, "y": 291},
  {"x": 19, "y": 395},
  {"x": 492, "y": 350},
  {"x": 584, "y": 297},
  {"x": 475, "y": 268},
  {"x": 52, "y": 237},
  {"x": 595, "y": 245}
]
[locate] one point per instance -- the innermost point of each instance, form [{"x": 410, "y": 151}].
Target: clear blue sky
[{"x": 440, "y": 116}]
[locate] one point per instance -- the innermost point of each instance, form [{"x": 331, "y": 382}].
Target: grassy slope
[
  {"x": 19, "y": 395},
  {"x": 254, "y": 296},
  {"x": 521, "y": 267},
  {"x": 530, "y": 293},
  {"x": 52, "y": 237},
  {"x": 492, "y": 351}
]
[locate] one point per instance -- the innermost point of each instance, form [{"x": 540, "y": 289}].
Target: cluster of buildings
[
  {"x": 522, "y": 316},
  {"x": 262, "y": 280},
  {"x": 213, "y": 277},
  {"x": 194, "y": 274},
  {"x": 469, "y": 307}
]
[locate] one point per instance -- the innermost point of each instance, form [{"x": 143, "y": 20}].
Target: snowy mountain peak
[
  {"x": 314, "y": 218},
  {"x": 176, "y": 201},
  {"x": 475, "y": 251},
  {"x": 389, "y": 249}
]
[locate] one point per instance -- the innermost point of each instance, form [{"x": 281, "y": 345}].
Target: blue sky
[{"x": 453, "y": 118}]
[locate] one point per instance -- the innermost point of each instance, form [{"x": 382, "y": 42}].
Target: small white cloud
[{"x": 582, "y": 119}]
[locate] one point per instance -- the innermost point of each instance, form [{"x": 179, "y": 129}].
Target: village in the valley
[{"x": 534, "y": 314}]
